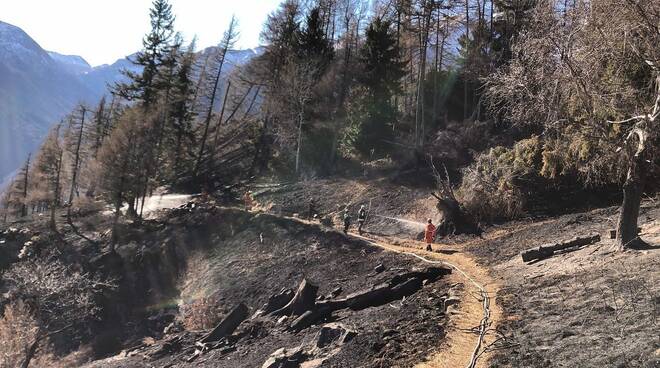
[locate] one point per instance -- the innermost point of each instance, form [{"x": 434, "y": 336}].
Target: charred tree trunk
[
  {"x": 30, "y": 352},
  {"x": 24, "y": 208},
  {"x": 627, "y": 233},
  {"x": 228, "y": 325},
  {"x": 76, "y": 160},
  {"x": 302, "y": 301},
  {"x": 56, "y": 193}
]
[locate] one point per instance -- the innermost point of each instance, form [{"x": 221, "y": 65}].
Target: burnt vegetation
[{"x": 501, "y": 109}]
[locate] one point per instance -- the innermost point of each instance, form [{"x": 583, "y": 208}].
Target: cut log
[
  {"x": 377, "y": 295},
  {"x": 547, "y": 250},
  {"x": 310, "y": 311},
  {"x": 406, "y": 288},
  {"x": 302, "y": 301},
  {"x": 228, "y": 325}
]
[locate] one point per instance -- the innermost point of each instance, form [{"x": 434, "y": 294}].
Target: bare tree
[
  {"x": 60, "y": 299},
  {"x": 76, "y": 130},
  {"x": 297, "y": 85},
  {"x": 593, "y": 80},
  {"x": 227, "y": 43}
]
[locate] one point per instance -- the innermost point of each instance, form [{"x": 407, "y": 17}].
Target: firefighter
[
  {"x": 429, "y": 234},
  {"x": 362, "y": 217},
  {"x": 347, "y": 220}
]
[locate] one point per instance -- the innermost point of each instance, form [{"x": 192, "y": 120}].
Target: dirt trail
[
  {"x": 478, "y": 313},
  {"x": 473, "y": 323}
]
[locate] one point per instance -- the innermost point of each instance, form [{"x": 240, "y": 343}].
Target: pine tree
[
  {"x": 312, "y": 41},
  {"x": 381, "y": 75},
  {"x": 156, "y": 45},
  {"x": 182, "y": 115}
]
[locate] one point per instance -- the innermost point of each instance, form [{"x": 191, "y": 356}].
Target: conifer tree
[
  {"x": 156, "y": 45},
  {"x": 19, "y": 191},
  {"x": 381, "y": 74},
  {"x": 48, "y": 167},
  {"x": 182, "y": 114},
  {"x": 312, "y": 41}
]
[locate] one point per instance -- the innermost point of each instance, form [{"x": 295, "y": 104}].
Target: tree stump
[{"x": 302, "y": 301}]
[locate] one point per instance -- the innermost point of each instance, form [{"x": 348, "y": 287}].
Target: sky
[{"x": 102, "y": 31}]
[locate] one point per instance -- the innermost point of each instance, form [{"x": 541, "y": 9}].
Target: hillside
[{"x": 382, "y": 184}]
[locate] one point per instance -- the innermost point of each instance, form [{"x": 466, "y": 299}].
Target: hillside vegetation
[{"x": 496, "y": 121}]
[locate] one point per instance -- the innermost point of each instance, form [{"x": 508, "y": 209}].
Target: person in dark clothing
[
  {"x": 362, "y": 217},
  {"x": 347, "y": 220},
  {"x": 312, "y": 209}
]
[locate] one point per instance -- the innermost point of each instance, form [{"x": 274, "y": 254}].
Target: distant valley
[{"x": 38, "y": 88}]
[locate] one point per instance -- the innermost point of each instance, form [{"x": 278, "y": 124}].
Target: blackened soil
[{"x": 243, "y": 257}]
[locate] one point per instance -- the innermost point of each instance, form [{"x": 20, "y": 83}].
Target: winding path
[{"x": 470, "y": 329}]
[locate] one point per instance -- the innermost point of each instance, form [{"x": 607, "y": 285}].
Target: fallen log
[
  {"x": 548, "y": 250},
  {"x": 309, "y": 311},
  {"x": 228, "y": 325},
  {"x": 302, "y": 301}
]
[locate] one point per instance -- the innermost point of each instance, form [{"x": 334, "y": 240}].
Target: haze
[{"x": 103, "y": 31}]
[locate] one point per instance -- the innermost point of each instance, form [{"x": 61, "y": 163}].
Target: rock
[
  {"x": 277, "y": 301},
  {"x": 128, "y": 251},
  {"x": 336, "y": 292},
  {"x": 172, "y": 328},
  {"x": 285, "y": 358},
  {"x": 452, "y": 300},
  {"x": 333, "y": 333},
  {"x": 380, "y": 268}
]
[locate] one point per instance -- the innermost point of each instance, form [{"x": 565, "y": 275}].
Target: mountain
[
  {"x": 73, "y": 63},
  {"x": 38, "y": 88}
]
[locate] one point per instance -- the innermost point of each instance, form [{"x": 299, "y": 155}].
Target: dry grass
[
  {"x": 201, "y": 314},
  {"x": 198, "y": 309},
  {"x": 18, "y": 328}
]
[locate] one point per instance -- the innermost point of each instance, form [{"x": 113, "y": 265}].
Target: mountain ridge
[{"x": 38, "y": 88}]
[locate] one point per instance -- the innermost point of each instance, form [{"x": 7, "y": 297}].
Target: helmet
[{"x": 430, "y": 221}]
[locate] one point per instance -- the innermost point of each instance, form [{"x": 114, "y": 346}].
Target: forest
[
  {"x": 504, "y": 109},
  {"x": 513, "y": 98}
]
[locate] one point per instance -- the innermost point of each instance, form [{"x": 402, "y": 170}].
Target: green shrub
[{"x": 492, "y": 187}]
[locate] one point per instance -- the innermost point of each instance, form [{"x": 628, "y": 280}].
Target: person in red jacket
[{"x": 429, "y": 235}]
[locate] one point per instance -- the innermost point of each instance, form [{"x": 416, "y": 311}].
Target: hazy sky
[{"x": 103, "y": 31}]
